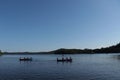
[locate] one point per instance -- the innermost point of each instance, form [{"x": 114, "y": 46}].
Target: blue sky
[{"x": 44, "y": 25}]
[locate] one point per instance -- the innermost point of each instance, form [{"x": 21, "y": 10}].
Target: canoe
[
  {"x": 25, "y": 59},
  {"x": 64, "y": 60}
]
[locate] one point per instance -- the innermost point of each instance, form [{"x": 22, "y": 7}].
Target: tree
[{"x": 0, "y": 52}]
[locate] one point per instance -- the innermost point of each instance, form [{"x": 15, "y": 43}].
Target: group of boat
[{"x": 58, "y": 60}]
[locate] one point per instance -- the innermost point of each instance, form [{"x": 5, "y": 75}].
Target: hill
[{"x": 111, "y": 49}]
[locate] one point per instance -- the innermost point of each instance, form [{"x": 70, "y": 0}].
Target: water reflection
[
  {"x": 46, "y": 67},
  {"x": 64, "y": 62},
  {"x": 21, "y": 62},
  {"x": 116, "y": 57}
]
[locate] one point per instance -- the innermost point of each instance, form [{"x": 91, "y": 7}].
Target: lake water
[{"x": 45, "y": 67}]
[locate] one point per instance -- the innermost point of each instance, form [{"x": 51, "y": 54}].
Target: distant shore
[{"x": 111, "y": 49}]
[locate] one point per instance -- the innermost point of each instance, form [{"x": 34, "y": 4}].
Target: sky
[{"x": 45, "y": 25}]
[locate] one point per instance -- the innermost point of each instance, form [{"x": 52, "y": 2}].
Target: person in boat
[
  {"x": 70, "y": 59},
  {"x": 63, "y": 58},
  {"x": 67, "y": 58}
]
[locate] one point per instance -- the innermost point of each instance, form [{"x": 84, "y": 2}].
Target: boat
[
  {"x": 64, "y": 60},
  {"x": 25, "y": 59}
]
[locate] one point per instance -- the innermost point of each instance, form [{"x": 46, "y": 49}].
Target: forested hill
[{"x": 111, "y": 49}]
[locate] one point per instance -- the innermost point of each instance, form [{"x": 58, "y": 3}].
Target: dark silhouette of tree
[{"x": 1, "y": 52}]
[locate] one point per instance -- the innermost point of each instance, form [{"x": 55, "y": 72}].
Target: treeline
[
  {"x": 72, "y": 51},
  {"x": 111, "y": 49},
  {"x": 1, "y": 52}
]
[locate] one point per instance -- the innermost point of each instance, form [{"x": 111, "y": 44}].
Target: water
[{"x": 45, "y": 67}]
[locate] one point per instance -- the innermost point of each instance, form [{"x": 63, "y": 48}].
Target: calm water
[{"x": 45, "y": 67}]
